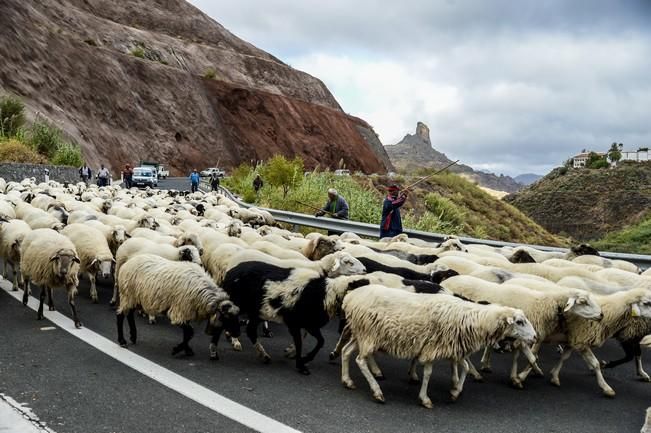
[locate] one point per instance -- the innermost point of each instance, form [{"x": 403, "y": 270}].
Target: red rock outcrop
[{"x": 158, "y": 79}]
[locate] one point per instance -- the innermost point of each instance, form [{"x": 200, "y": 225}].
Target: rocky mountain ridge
[{"x": 416, "y": 151}]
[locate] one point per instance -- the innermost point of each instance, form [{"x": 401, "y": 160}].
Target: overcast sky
[{"x": 506, "y": 86}]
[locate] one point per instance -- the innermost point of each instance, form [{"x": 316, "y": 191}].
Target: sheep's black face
[
  {"x": 585, "y": 250},
  {"x": 200, "y": 209},
  {"x": 521, "y": 256},
  {"x": 186, "y": 255},
  {"x": 439, "y": 276}
]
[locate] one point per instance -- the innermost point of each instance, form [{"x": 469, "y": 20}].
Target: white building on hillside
[
  {"x": 580, "y": 160},
  {"x": 640, "y": 155}
]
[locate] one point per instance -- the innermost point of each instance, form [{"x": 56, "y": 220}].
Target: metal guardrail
[{"x": 372, "y": 230}]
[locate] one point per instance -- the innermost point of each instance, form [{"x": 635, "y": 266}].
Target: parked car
[
  {"x": 209, "y": 171},
  {"x": 144, "y": 176}
]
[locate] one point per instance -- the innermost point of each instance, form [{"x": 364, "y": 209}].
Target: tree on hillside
[
  {"x": 282, "y": 172},
  {"x": 596, "y": 161},
  {"x": 615, "y": 153},
  {"x": 12, "y": 116}
]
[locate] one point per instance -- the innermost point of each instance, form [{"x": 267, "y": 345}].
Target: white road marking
[
  {"x": 165, "y": 377},
  {"x": 18, "y": 418}
]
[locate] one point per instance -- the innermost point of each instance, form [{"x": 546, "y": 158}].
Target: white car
[
  {"x": 209, "y": 171},
  {"x": 163, "y": 173},
  {"x": 144, "y": 176}
]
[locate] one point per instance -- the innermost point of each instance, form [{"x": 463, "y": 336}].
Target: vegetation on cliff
[{"x": 36, "y": 143}]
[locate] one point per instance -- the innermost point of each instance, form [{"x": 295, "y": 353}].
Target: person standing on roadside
[
  {"x": 194, "y": 180},
  {"x": 214, "y": 181},
  {"x": 391, "y": 224},
  {"x": 336, "y": 207},
  {"x": 85, "y": 174},
  {"x": 103, "y": 176},
  {"x": 127, "y": 176},
  {"x": 257, "y": 183}
]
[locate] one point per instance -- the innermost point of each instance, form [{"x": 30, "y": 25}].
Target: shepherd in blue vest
[
  {"x": 391, "y": 224},
  {"x": 194, "y": 180}
]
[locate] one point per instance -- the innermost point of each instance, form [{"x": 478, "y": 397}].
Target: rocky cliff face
[
  {"x": 416, "y": 150},
  {"x": 158, "y": 79}
]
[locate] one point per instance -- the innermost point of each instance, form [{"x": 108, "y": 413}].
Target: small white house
[{"x": 580, "y": 160}]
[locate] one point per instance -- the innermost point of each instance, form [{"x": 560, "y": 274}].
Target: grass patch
[
  {"x": 210, "y": 74},
  {"x": 634, "y": 239},
  {"x": 12, "y": 116},
  {"x": 138, "y": 52},
  {"x": 68, "y": 154}
]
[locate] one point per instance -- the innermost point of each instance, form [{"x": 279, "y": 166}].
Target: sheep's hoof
[
  {"x": 414, "y": 381},
  {"x": 77, "y": 324},
  {"x": 379, "y": 377},
  {"x": 51, "y": 308},
  {"x": 349, "y": 384},
  {"x": 332, "y": 356},
  {"x": 427, "y": 403},
  {"x": 303, "y": 370},
  {"x": 603, "y": 363},
  {"x": 133, "y": 340},
  {"x": 266, "y": 359},
  {"x": 237, "y": 346},
  {"x": 479, "y": 378},
  {"x": 95, "y": 301},
  {"x": 39, "y": 316},
  {"x": 609, "y": 392},
  {"x": 378, "y": 397},
  {"x": 454, "y": 395},
  {"x": 112, "y": 303},
  {"x": 152, "y": 321},
  {"x": 290, "y": 355},
  {"x": 14, "y": 289},
  {"x": 214, "y": 357},
  {"x": 177, "y": 349},
  {"x": 122, "y": 343},
  {"x": 517, "y": 384},
  {"x": 486, "y": 370},
  {"x": 645, "y": 378},
  {"x": 555, "y": 381}
]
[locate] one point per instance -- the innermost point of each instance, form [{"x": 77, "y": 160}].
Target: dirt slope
[{"x": 73, "y": 62}]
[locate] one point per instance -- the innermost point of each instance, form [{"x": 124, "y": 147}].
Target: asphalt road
[{"x": 74, "y": 387}]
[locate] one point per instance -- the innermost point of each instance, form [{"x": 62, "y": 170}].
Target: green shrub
[
  {"x": 12, "y": 116},
  {"x": 68, "y": 154},
  {"x": 44, "y": 137},
  {"x": 210, "y": 73},
  {"x": 444, "y": 209},
  {"x": 282, "y": 172},
  {"x": 15, "y": 151},
  {"x": 138, "y": 52}
]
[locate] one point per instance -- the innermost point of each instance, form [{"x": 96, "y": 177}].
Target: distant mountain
[
  {"x": 415, "y": 150},
  {"x": 527, "y": 178}
]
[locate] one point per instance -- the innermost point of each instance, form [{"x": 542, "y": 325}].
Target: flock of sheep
[{"x": 200, "y": 256}]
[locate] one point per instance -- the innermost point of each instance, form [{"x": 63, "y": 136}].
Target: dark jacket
[
  {"x": 214, "y": 180},
  {"x": 257, "y": 183},
  {"x": 338, "y": 207},
  {"x": 90, "y": 172},
  {"x": 391, "y": 224}
]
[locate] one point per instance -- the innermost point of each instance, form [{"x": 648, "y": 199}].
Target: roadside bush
[
  {"x": 15, "y": 151},
  {"x": 68, "y": 154},
  {"x": 44, "y": 137},
  {"x": 12, "y": 116},
  {"x": 444, "y": 209}
]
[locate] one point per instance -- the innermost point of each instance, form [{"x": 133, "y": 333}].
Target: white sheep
[
  {"x": 7, "y": 210},
  {"x": 426, "y": 327},
  {"x": 115, "y": 235},
  {"x": 546, "y": 310},
  {"x": 607, "y": 263},
  {"x": 12, "y": 234},
  {"x": 136, "y": 246},
  {"x": 583, "y": 335},
  {"x": 181, "y": 290},
  {"x": 623, "y": 278},
  {"x": 93, "y": 251},
  {"x": 50, "y": 260}
]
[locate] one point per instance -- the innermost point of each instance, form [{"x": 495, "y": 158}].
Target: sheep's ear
[
  {"x": 570, "y": 304},
  {"x": 54, "y": 257},
  {"x": 113, "y": 260},
  {"x": 510, "y": 320},
  {"x": 93, "y": 263},
  {"x": 336, "y": 265},
  {"x": 76, "y": 259},
  {"x": 635, "y": 310}
]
